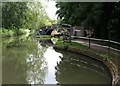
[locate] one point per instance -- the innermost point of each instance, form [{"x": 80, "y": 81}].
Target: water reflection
[
  {"x": 26, "y": 61},
  {"x": 13, "y": 62},
  {"x": 48, "y": 41},
  {"x": 37, "y": 67},
  {"x": 77, "y": 69},
  {"x": 23, "y": 62},
  {"x": 52, "y": 57}
]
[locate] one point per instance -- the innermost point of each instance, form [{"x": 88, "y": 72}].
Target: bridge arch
[{"x": 48, "y": 31}]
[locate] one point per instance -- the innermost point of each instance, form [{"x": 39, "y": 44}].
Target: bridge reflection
[{"x": 47, "y": 42}]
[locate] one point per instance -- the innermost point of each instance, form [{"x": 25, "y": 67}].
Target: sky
[{"x": 50, "y": 8}]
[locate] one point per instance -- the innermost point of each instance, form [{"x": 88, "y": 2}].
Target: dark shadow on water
[{"x": 77, "y": 69}]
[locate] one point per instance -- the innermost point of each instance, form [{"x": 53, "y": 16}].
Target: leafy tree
[
  {"x": 13, "y": 14},
  {"x": 25, "y": 15},
  {"x": 102, "y": 17},
  {"x": 36, "y": 15}
]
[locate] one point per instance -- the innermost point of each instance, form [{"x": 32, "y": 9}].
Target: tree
[
  {"x": 24, "y": 15},
  {"x": 13, "y": 14},
  {"x": 36, "y": 16},
  {"x": 96, "y": 16}
]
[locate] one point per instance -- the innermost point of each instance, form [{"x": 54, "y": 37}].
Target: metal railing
[
  {"x": 113, "y": 45},
  {"x": 111, "y": 50}
]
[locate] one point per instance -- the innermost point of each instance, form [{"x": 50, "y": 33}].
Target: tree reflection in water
[
  {"x": 37, "y": 66},
  {"x": 26, "y": 62},
  {"x": 22, "y": 61}
]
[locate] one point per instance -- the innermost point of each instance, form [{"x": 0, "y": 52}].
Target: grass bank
[{"x": 76, "y": 45}]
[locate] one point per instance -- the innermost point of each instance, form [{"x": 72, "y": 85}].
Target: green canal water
[{"x": 26, "y": 61}]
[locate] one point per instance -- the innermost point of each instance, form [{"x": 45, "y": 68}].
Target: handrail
[
  {"x": 98, "y": 40},
  {"x": 103, "y": 42}
]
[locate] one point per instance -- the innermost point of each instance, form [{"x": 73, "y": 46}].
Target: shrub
[{"x": 12, "y": 32}]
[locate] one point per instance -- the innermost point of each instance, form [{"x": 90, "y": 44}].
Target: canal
[{"x": 26, "y": 61}]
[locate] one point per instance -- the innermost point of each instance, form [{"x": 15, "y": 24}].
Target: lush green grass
[
  {"x": 78, "y": 45},
  {"x": 73, "y": 44},
  {"x": 63, "y": 44}
]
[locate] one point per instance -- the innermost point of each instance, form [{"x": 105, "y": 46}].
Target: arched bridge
[{"x": 47, "y": 30}]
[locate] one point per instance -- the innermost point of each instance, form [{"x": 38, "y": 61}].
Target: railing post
[
  {"x": 89, "y": 42},
  {"x": 89, "y": 37},
  {"x": 109, "y": 46}
]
